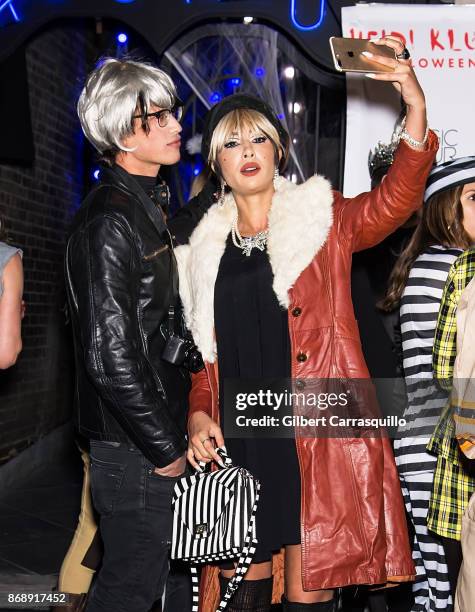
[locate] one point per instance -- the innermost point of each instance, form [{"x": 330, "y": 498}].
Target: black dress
[{"x": 253, "y": 341}]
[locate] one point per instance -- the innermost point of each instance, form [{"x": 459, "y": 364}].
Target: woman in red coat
[{"x": 265, "y": 283}]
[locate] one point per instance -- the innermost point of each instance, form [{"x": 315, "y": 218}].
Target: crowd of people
[{"x": 254, "y": 277}]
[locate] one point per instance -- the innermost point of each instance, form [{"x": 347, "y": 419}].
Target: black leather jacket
[{"x": 121, "y": 277}]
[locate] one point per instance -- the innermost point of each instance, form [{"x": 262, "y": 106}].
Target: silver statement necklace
[{"x": 248, "y": 243}]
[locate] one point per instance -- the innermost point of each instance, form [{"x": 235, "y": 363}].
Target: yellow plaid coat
[{"x": 453, "y": 485}]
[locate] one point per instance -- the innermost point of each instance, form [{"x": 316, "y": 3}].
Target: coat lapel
[
  {"x": 198, "y": 264},
  {"x": 299, "y": 223}
]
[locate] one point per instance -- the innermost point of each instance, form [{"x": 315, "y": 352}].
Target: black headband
[{"x": 234, "y": 102}]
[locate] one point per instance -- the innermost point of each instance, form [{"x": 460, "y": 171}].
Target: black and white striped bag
[{"x": 214, "y": 519}]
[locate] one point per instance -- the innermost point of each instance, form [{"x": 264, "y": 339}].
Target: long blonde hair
[{"x": 441, "y": 224}]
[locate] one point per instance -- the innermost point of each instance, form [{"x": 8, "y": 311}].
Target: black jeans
[{"x": 134, "y": 506}]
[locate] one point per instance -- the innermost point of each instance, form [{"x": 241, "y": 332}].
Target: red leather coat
[{"x": 353, "y": 526}]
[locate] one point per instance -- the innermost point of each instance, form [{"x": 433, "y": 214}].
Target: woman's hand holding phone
[{"x": 405, "y": 81}]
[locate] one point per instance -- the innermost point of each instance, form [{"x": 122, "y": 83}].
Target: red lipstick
[{"x": 250, "y": 169}]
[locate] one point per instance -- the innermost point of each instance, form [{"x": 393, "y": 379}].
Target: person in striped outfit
[{"x": 416, "y": 286}]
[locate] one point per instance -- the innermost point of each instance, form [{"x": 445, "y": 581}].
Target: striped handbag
[{"x": 214, "y": 518}]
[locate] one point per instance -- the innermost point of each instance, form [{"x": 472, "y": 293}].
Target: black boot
[
  {"x": 251, "y": 595},
  {"x": 321, "y": 606}
]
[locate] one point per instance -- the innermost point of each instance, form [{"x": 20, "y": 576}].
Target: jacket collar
[
  {"x": 120, "y": 178},
  {"x": 299, "y": 223}
]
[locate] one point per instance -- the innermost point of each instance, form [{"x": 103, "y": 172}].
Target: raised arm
[{"x": 370, "y": 217}]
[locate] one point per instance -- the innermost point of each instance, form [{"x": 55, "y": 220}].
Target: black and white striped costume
[{"x": 418, "y": 317}]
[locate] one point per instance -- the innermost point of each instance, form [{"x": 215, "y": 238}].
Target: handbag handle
[{"x": 226, "y": 459}]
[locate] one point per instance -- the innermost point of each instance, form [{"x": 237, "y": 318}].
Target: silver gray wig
[{"x": 116, "y": 90}]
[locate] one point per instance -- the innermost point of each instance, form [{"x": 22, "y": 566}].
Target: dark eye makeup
[{"x": 230, "y": 144}]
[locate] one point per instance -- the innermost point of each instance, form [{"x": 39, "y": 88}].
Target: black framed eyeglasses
[{"x": 163, "y": 116}]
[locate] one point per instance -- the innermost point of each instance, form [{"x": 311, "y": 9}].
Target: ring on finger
[
  {"x": 405, "y": 55},
  {"x": 203, "y": 441}
]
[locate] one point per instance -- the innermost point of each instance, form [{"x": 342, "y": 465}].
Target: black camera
[
  {"x": 180, "y": 349},
  {"x": 183, "y": 352}
]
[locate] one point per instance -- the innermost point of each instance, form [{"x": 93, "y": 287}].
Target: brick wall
[{"x": 37, "y": 204}]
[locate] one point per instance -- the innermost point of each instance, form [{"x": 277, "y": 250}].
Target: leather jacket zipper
[
  {"x": 142, "y": 333},
  {"x": 155, "y": 253}
]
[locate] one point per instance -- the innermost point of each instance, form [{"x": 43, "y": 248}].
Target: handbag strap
[
  {"x": 245, "y": 560},
  {"x": 222, "y": 452},
  {"x": 243, "y": 564},
  {"x": 195, "y": 586}
]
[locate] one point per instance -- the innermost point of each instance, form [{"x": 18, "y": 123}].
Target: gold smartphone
[{"x": 347, "y": 55}]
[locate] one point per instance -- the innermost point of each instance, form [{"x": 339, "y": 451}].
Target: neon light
[
  {"x": 9, "y": 3},
  {"x": 122, "y": 38},
  {"x": 215, "y": 97},
  {"x": 14, "y": 13},
  {"x": 299, "y": 26}
]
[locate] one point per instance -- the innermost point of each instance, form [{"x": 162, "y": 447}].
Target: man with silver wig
[
  {"x": 132, "y": 390},
  {"x": 114, "y": 93}
]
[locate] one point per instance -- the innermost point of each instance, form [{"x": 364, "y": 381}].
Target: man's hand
[{"x": 173, "y": 469}]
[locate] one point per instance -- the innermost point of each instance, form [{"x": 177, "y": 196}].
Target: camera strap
[
  {"x": 127, "y": 182},
  {"x": 175, "y": 321},
  {"x": 171, "y": 320}
]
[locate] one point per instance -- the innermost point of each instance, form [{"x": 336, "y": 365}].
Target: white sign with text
[{"x": 441, "y": 40}]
